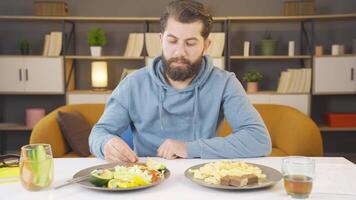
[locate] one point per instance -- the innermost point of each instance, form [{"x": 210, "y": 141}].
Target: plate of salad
[{"x": 123, "y": 176}]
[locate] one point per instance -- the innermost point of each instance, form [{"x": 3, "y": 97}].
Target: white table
[{"x": 335, "y": 179}]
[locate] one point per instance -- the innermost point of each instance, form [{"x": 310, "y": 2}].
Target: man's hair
[{"x": 188, "y": 11}]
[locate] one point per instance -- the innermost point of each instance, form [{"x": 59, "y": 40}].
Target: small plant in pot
[
  {"x": 24, "y": 47},
  {"x": 268, "y": 44},
  {"x": 252, "y": 78},
  {"x": 96, "y": 39}
]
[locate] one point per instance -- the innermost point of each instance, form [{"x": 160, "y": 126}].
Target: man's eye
[
  {"x": 191, "y": 43},
  {"x": 172, "y": 41}
]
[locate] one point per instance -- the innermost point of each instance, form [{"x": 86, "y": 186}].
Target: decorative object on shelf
[
  {"x": 337, "y": 49},
  {"x": 125, "y": 72},
  {"x": 34, "y": 115},
  {"x": 99, "y": 75},
  {"x": 134, "y": 45},
  {"x": 247, "y": 45},
  {"x": 50, "y": 8},
  {"x": 252, "y": 78},
  {"x": 291, "y": 48},
  {"x": 341, "y": 119},
  {"x": 24, "y": 47},
  {"x": 96, "y": 39},
  {"x": 268, "y": 45},
  {"x": 301, "y": 7},
  {"x": 319, "y": 50}
]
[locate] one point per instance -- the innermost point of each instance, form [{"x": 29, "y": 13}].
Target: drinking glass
[
  {"x": 36, "y": 166},
  {"x": 298, "y": 174}
]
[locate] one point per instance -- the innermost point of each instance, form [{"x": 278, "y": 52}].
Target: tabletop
[{"x": 334, "y": 180}]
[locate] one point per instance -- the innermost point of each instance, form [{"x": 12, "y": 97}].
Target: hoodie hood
[{"x": 156, "y": 73}]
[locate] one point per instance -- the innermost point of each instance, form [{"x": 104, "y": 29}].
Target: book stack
[
  {"x": 301, "y": 7},
  {"x": 295, "y": 81},
  {"x": 52, "y": 44},
  {"x": 134, "y": 45}
]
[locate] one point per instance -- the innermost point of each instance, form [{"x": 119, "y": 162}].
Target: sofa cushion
[{"x": 75, "y": 130}]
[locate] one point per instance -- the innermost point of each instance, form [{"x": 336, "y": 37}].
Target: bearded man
[{"x": 175, "y": 105}]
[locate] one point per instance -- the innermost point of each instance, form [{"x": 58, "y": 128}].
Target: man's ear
[
  {"x": 161, "y": 37},
  {"x": 207, "y": 43}
]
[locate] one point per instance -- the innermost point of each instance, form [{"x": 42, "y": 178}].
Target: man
[{"x": 175, "y": 104}]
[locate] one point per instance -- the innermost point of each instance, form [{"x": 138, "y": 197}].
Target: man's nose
[{"x": 180, "y": 51}]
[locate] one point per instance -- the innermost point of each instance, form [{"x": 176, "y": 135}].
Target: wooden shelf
[
  {"x": 276, "y": 57},
  {"x": 333, "y": 93},
  {"x": 344, "y": 55},
  {"x": 13, "y": 127},
  {"x": 90, "y": 92},
  {"x": 87, "y": 19},
  {"x": 29, "y": 56},
  {"x": 104, "y": 57},
  {"x": 329, "y": 129},
  {"x": 274, "y": 93},
  {"x": 332, "y": 17}
]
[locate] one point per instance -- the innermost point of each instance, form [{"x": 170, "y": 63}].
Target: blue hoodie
[{"x": 156, "y": 112}]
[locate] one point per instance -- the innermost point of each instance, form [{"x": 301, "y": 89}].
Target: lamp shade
[{"x": 99, "y": 74}]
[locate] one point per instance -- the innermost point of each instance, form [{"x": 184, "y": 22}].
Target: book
[
  {"x": 55, "y": 44},
  {"x": 9, "y": 174},
  {"x": 134, "y": 45},
  {"x": 46, "y": 45},
  {"x": 217, "y": 44},
  {"x": 153, "y": 44},
  {"x": 246, "y": 48}
]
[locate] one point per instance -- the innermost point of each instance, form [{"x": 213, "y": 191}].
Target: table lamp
[{"x": 99, "y": 75}]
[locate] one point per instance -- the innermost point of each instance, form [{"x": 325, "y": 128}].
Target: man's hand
[
  {"x": 116, "y": 150},
  {"x": 171, "y": 149}
]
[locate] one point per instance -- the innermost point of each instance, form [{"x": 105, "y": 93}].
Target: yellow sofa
[{"x": 291, "y": 131}]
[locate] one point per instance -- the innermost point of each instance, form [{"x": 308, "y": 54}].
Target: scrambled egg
[{"x": 212, "y": 172}]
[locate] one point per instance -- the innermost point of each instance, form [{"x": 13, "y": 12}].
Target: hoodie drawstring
[
  {"x": 195, "y": 107},
  {"x": 160, "y": 107}
]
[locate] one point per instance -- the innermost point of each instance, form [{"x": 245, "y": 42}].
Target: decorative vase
[
  {"x": 268, "y": 47},
  {"x": 33, "y": 115},
  {"x": 252, "y": 86},
  {"x": 95, "y": 51}
]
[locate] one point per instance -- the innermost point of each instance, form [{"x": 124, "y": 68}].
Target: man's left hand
[{"x": 172, "y": 149}]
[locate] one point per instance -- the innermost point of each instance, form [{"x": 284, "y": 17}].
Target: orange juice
[{"x": 298, "y": 186}]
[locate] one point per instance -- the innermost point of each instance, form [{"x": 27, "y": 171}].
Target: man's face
[{"x": 182, "y": 47}]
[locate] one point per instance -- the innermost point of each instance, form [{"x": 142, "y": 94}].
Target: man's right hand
[{"x": 116, "y": 150}]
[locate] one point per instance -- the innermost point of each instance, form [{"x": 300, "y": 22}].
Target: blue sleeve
[
  {"x": 250, "y": 137},
  {"x": 114, "y": 120}
]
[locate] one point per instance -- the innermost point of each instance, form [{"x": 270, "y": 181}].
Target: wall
[{"x": 326, "y": 33}]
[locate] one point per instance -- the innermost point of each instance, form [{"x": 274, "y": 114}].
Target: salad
[{"x": 134, "y": 175}]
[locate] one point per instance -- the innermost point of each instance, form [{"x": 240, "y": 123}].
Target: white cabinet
[
  {"x": 31, "y": 75},
  {"x": 299, "y": 101},
  {"x": 333, "y": 75}
]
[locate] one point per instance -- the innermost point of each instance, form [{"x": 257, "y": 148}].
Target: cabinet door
[
  {"x": 334, "y": 74},
  {"x": 299, "y": 101},
  {"x": 11, "y": 75},
  {"x": 44, "y": 75}
]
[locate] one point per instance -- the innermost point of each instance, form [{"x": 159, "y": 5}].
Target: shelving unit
[{"x": 70, "y": 58}]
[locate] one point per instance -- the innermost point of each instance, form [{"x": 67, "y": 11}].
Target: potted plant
[
  {"x": 252, "y": 78},
  {"x": 268, "y": 44},
  {"x": 96, "y": 39},
  {"x": 24, "y": 47}
]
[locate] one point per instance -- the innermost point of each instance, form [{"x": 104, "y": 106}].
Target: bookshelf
[{"x": 276, "y": 57}]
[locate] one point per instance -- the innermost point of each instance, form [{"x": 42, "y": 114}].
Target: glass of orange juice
[
  {"x": 36, "y": 166},
  {"x": 298, "y": 174}
]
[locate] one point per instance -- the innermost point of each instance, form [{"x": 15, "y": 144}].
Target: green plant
[
  {"x": 96, "y": 37},
  {"x": 252, "y": 76},
  {"x": 24, "y": 47}
]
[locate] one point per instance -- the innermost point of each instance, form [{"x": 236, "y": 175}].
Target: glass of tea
[
  {"x": 36, "y": 166},
  {"x": 298, "y": 174}
]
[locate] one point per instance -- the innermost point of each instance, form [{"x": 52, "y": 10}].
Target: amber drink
[{"x": 298, "y": 175}]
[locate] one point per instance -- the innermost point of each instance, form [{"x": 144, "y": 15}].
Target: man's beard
[{"x": 179, "y": 73}]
